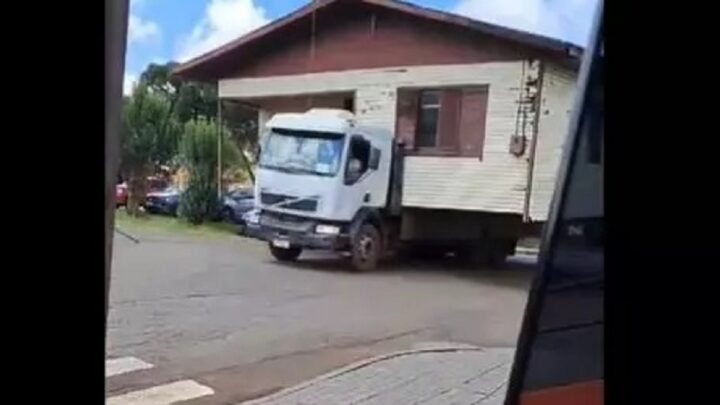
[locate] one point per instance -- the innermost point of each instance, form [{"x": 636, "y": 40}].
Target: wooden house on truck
[{"x": 481, "y": 110}]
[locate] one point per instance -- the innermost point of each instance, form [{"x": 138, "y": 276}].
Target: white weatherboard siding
[
  {"x": 497, "y": 183},
  {"x": 464, "y": 183},
  {"x": 558, "y": 91}
]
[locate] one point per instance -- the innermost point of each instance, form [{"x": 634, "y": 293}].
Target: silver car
[
  {"x": 250, "y": 223},
  {"x": 236, "y": 203}
]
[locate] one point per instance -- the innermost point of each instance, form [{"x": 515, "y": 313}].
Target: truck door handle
[{"x": 367, "y": 197}]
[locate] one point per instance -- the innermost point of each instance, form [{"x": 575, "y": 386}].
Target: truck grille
[{"x": 306, "y": 204}]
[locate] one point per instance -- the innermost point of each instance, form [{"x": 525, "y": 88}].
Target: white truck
[{"x": 325, "y": 182}]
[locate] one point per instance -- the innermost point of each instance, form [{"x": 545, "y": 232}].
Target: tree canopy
[{"x": 169, "y": 121}]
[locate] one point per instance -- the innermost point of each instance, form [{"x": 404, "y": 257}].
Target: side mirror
[{"x": 374, "y": 160}]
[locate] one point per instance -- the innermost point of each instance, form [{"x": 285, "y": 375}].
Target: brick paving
[{"x": 428, "y": 374}]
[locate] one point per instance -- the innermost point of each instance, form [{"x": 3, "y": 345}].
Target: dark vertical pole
[
  {"x": 116, "y": 20},
  {"x": 219, "y": 146}
]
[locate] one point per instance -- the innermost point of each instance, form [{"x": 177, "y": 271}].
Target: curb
[{"x": 356, "y": 366}]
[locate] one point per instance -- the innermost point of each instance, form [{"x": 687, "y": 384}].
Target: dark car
[
  {"x": 163, "y": 202},
  {"x": 157, "y": 184},
  {"x": 236, "y": 203}
]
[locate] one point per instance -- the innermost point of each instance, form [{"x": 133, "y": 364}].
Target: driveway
[{"x": 220, "y": 322}]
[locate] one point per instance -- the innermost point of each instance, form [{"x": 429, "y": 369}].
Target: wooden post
[{"x": 116, "y": 19}]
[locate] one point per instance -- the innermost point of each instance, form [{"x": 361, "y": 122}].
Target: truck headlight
[{"x": 327, "y": 229}]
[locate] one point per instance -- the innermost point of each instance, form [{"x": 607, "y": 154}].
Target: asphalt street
[{"x": 219, "y": 322}]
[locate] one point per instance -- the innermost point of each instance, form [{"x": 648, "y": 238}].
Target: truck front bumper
[{"x": 305, "y": 240}]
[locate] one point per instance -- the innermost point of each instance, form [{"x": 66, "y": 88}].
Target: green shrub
[{"x": 198, "y": 152}]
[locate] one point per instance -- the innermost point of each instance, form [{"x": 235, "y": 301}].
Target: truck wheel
[
  {"x": 366, "y": 248},
  {"x": 285, "y": 255}
]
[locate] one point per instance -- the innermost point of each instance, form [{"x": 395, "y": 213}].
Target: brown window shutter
[
  {"x": 473, "y": 114},
  {"x": 449, "y": 121},
  {"x": 407, "y": 110}
]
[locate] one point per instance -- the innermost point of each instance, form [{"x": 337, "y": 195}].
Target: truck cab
[{"x": 322, "y": 183}]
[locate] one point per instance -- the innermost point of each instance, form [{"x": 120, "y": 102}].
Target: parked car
[
  {"x": 163, "y": 202},
  {"x": 235, "y": 204},
  {"x": 121, "y": 195},
  {"x": 250, "y": 223},
  {"x": 155, "y": 184}
]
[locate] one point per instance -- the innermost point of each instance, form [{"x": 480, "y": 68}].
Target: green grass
[{"x": 165, "y": 225}]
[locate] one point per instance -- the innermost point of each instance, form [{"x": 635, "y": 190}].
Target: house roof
[{"x": 562, "y": 48}]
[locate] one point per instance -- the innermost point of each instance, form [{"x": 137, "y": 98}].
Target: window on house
[
  {"x": 447, "y": 121},
  {"x": 428, "y": 118}
]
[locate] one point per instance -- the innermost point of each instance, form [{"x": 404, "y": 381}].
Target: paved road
[{"x": 220, "y": 322}]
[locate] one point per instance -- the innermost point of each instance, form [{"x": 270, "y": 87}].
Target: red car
[
  {"x": 121, "y": 195},
  {"x": 155, "y": 184}
]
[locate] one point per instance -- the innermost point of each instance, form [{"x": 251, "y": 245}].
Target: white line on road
[
  {"x": 124, "y": 365},
  {"x": 163, "y": 394}
]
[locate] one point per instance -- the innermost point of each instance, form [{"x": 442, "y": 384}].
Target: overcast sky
[{"x": 162, "y": 30}]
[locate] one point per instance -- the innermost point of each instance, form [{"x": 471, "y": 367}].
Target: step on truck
[{"x": 324, "y": 182}]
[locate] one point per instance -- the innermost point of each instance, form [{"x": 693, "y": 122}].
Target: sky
[{"x": 178, "y": 30}]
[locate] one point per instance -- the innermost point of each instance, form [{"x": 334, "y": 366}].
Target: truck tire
[
  {"x": 285, "y": 255},
  {"x": 366, "y": 248}
]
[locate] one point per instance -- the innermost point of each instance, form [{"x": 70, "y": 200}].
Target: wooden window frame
[
  {"x": 439, "y": 150},
  {"x": 418, "y": 115},
  {"x": 433, "y": 150}
]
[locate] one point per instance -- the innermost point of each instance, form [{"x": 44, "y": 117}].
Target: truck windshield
[{"x": 302, "y": 152}]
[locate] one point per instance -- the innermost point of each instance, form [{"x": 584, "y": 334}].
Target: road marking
[
  {"x": 124, "y": 365},
  {"x": 163, "y": 394}
]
